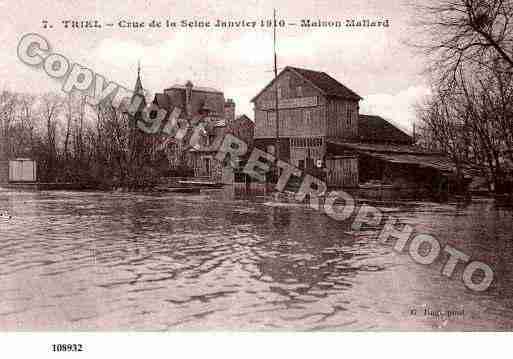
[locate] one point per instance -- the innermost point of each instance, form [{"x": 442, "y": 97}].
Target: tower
[
  {"x": 138, "y": 88},
  {"x": 138, "y": 140},
  {"x": 229, "y": 111},
  {"x": 138, "y": 98},
  {"x": 188, "y": 98}
]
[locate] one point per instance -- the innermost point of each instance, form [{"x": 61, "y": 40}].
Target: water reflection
[{"x": 214, "y": 261}]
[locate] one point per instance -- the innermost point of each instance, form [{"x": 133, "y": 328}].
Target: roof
[
  {"x": 322, "y": 81},
  {"x": 138, "y": 89},
  {"x": 195, "y": 88},
  {"x": 403, "y": 154},
  {"x": 326, "y": 83},
  {"x": 167, "y": 102},
  {"x": 385, "y": 148},
  {"x": 440, "y": 163},
  {"x": 162, "y": 101},
  {"x": 375, "y": 128},
  {"x": 243, "y": 117}
]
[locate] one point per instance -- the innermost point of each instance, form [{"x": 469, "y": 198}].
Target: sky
[{"x": 373, "y": 62}]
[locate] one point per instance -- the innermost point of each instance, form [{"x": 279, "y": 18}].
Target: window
[
  {"x": 349, "y": 114},
  {"x": 271, "y": 120},
  {"x": 309, "y": 162},
  {"x": 282, "y": 93},
  {"x": 207, "y": 166},
  {"x": 299, "y": 91},
  {"x": 285, "y": 123},
  {"x": 307, "y": 117}
]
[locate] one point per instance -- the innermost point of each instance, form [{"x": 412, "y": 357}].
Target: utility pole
[{"x": 277, "y": 145}]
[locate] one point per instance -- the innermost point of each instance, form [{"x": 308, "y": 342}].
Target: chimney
[
  {"x": 229, "y": 111},
  {"x": 188, "y": 98}
]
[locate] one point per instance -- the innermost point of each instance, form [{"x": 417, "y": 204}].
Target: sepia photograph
[{"x": 285, "y": 166}]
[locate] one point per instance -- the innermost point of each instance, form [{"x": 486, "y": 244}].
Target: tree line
[
  {"x": 469, "y": 114},
  {"x": 72, "y": 141}
]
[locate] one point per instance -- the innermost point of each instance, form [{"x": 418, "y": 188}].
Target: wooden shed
[
  {"x": 22, "y": 170},
  {"x": 312, "y": 107}
]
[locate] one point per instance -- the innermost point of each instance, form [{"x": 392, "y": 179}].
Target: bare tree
[
  {"x": 50, "y": 107},
  {"x": 8, "y": 105},
  {"x": 466, "y": 34},
  {"x": 72, "y": 142},
  {"x": 472, "y": 124},
  {"x": 469, "y": 115}
]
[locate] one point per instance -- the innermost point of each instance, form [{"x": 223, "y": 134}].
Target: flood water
[{"x": 103, "y": 261}]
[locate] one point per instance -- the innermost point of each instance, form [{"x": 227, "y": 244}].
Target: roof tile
[
  {"x": 326, "y": 83},
  {"x": 377, "y": 129}
]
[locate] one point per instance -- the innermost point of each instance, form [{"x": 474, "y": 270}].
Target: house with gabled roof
[
  {"x": 209, "y": 106},
  {"x": 312, "y": 108},
  {"x": 320, "y": 126}
]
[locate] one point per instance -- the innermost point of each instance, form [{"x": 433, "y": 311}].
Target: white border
[{"x": 259, "y": 345}]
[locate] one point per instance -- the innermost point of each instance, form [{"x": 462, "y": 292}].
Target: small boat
[
  {"x": 201, "y": 184},
  {"x": 185, "y": 190},
  {"x": 180, "y": 189}
]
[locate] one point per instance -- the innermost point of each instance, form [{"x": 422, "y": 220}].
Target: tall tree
[{"x": 466, "y": 34}]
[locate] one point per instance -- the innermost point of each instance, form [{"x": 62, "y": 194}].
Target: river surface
[{"x": 104, "y": 261}]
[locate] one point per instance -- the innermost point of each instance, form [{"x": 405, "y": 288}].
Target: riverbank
[{"x": 381, "y": 195}]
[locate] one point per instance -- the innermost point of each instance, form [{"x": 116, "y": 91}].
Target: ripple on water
[{"x": 118, "y": 261}]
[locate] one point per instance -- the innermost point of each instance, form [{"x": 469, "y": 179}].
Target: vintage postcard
[{"x": 256, "y": 166}]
